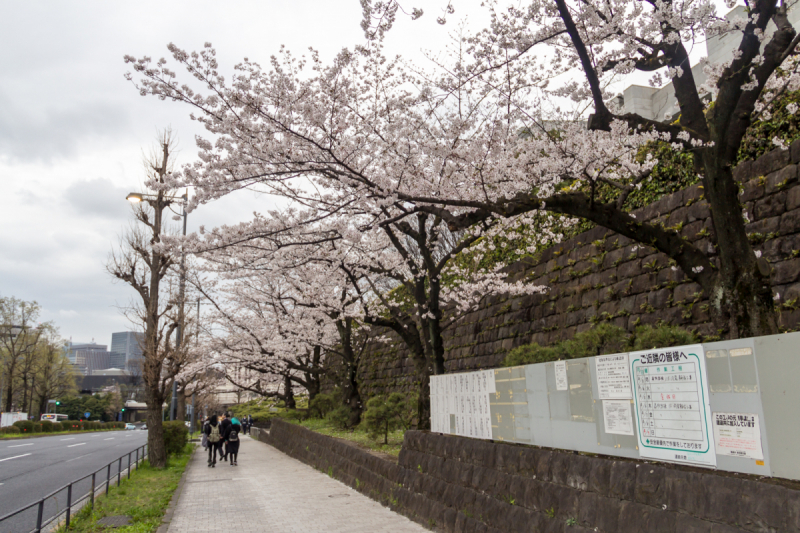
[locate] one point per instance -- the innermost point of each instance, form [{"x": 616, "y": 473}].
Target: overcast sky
[{"x": 73, "y": 130}]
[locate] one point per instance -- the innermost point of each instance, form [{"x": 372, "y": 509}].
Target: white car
[{"x": 130, "y": 426}]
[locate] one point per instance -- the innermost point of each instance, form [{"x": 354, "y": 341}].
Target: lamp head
[{"x": 134, "y": 197}]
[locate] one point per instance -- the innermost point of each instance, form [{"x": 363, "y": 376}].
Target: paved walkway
[{"x": 270, "y": 492}]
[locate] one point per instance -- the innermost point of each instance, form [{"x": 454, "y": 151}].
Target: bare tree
[
  {"x": 19, "y": 336},
  {"x": 144, "y": 263}
]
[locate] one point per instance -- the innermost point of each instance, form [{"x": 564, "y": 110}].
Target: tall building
[
  {"x": 88, "y": 356},
  {"x": 126, "y": 348}
]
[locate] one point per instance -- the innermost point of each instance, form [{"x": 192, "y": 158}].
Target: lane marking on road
[
  {"x": 79, "y": 457},
  {"x": 71, "y": 438},
  {"x": 73, "y": 445},
  {"x": 110, "y": 438},
  {"x": 15, "y": 457},
  {"x": 18, "y": 445}
]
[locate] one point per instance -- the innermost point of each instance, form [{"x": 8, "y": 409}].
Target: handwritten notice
[
  {"x": 737, "y": 435},
  {"x": 617, "y": 417},
  {"x": 614, "y": 377},
  {"x": 561, "y": 376}
]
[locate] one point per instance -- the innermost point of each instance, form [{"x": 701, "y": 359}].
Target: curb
[{"x": 173, "y": 503}]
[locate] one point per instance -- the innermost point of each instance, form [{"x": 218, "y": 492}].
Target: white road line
[
  {"x": 73, "y": 445},
  {"x": 15, "y": 457},
  {"x": 79, "y": 457},
  {"x": 71, "y": 438},
  {"x": 18, "y": 445},
  {"x": 111, "y": 438}
]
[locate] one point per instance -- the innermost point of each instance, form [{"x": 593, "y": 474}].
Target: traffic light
[
  {"x": 123, "y": 409},
  {"x": 58, "y": 402}
]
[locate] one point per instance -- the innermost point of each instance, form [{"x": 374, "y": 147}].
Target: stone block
[
  {"x": 531, "y": 494},
  {"x": 543, "y": 462},
  {"x": 579, "y": 472},
  {"x": 633, "y": 517},
  {"x": 793, "y": 198},
  {"x": 790, "y": 222},
  {"x": 623, "y": 480},
  {"x": 689, "y": 524},
  {"x": 786, "y": 271},
  {"x": 753, "y": 190},
  {"x": 560, "y": 467},
  {"x": 600, "y": 476},
  {"x": 724, "y": 498},
  {"x": 763, "y": 506},
  {"x": 517, "y": 520},
  {"x": 686, "y": 292},
  {"x": 661, "y": 521},
  {"x": 587, "y": 509},
  {"x": 743, "y": 171},
  {"x": 781, "y": 178},
  {"x": 725, "y": 528},
  {"x": 685, "y": 492},
  {"x": 771, "y": 206},
  {"x": 651, "y": 485},
  {"x": 608, "y": 510},
  {"x": 770, "y": 162}
]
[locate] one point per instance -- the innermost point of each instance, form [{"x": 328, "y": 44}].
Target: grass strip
[
  {"x": 11, "y": 436},
  {"x": 144, "y": 498},
  {"x": 357, "y": 435}
]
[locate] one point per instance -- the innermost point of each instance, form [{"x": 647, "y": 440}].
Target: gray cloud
[{"x": 98, "y": 197}]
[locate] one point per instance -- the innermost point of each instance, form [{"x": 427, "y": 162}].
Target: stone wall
[
  {"x": 455, "y": 484},
  {"x": 602, "y": 276}
]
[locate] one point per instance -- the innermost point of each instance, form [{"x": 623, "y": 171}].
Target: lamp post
[{"x": 136, "y": 198}]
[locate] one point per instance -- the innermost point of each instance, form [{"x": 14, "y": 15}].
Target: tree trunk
[
  {"x": 181, "y": 411},
  {"x": 741, "y": 301},
  {"x": 288, "y": 395},
  {"x": 157, "y": 452}
]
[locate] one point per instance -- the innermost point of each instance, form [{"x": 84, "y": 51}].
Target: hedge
[
  {"x": 176, "y": 435},
  {"x": 25, "y": 426}
]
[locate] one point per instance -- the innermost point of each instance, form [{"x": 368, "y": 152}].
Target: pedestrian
[
  {"x": 232, "y": 440},
  {"x": 212, "y": 432},
  {"x": 245, "y": 425},
  {"x": 223, "y": 429},
  {"x": 204, "y": 439},
  {"x": 249, "y": 423}
]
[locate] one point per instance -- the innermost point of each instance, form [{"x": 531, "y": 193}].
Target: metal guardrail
[{"x": 41, "y": 522}]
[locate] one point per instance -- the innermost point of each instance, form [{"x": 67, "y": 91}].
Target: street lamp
[{"x": 153, "y": 200}]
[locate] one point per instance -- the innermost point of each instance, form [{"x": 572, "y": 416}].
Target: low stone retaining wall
[{"x": 456, "y": 484}]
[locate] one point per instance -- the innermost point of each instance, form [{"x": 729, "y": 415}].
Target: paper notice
[
  {"x": 613, "y": 377},
  {"x": 561, "y": 375},
  {"x": 737, "y": 435},
  {"x": 617, "y": 417},
  {"x": 491, "y": 386}
]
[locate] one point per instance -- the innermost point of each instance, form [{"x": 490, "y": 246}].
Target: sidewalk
[{"x": 270, "y": 492}]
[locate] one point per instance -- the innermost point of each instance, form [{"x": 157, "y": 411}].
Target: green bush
[
  {"x": 176, "y": 435},
  {"x": 339, "y": 417},
  {"x": 648, "y": 337},
  {"x": 37, "y": 427},
  {"x": 603, "y": 339},
  {"x": 385, "y": 414},
  {"x": 11, "y": 430},
  {"x": 47, "y": 426},
  {"x": 322, "y": 404},
  {"x": 66, "y": 425},
  {"x": 25, "y": 426}
]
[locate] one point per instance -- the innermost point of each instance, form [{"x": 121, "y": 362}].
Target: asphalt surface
[{"x": 32, "y": 468}]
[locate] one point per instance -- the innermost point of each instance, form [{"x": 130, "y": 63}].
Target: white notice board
[
  {"x": 738, "y": 435},
  {"x": 672, "y": 409},
  {"x": 613, "y": 377},
  {"x": 561, "y": 375}
]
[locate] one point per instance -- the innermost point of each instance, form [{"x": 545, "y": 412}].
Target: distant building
[
  {"x": 126, "y": 347},
  {"x": 660, "y": 103},
  {"x": 87, "y": 356}
]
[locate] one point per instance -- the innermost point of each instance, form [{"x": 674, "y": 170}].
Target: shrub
[
  {"x": 47, "y": 426},
  {"x": 11, "y": 430},
  {"x": 66, "y": 425},
  {"x": 339, "y": 417},
  {"x": 295, "y": 414},
  {"x": 648, "y": 337},
  {"x": 385, "y": 414},
  {"x": 322, "y": 404},
  {"x": 37, "y": 427},
  {"x": 602, "y": 339},
  {"x": 25, "y": 426},
  {"x": 176, "y": 435}
]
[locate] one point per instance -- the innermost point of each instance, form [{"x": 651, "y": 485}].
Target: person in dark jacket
[
  {"x": 224, "y": 424},
  {"x": 214, "y": 436},
  {"x": 232, "y": 434}
]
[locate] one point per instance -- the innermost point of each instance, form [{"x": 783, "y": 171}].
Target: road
[{"x": 32, "y": 468}]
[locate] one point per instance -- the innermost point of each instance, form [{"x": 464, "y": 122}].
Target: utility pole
[{"x": 173, "y": 411}]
